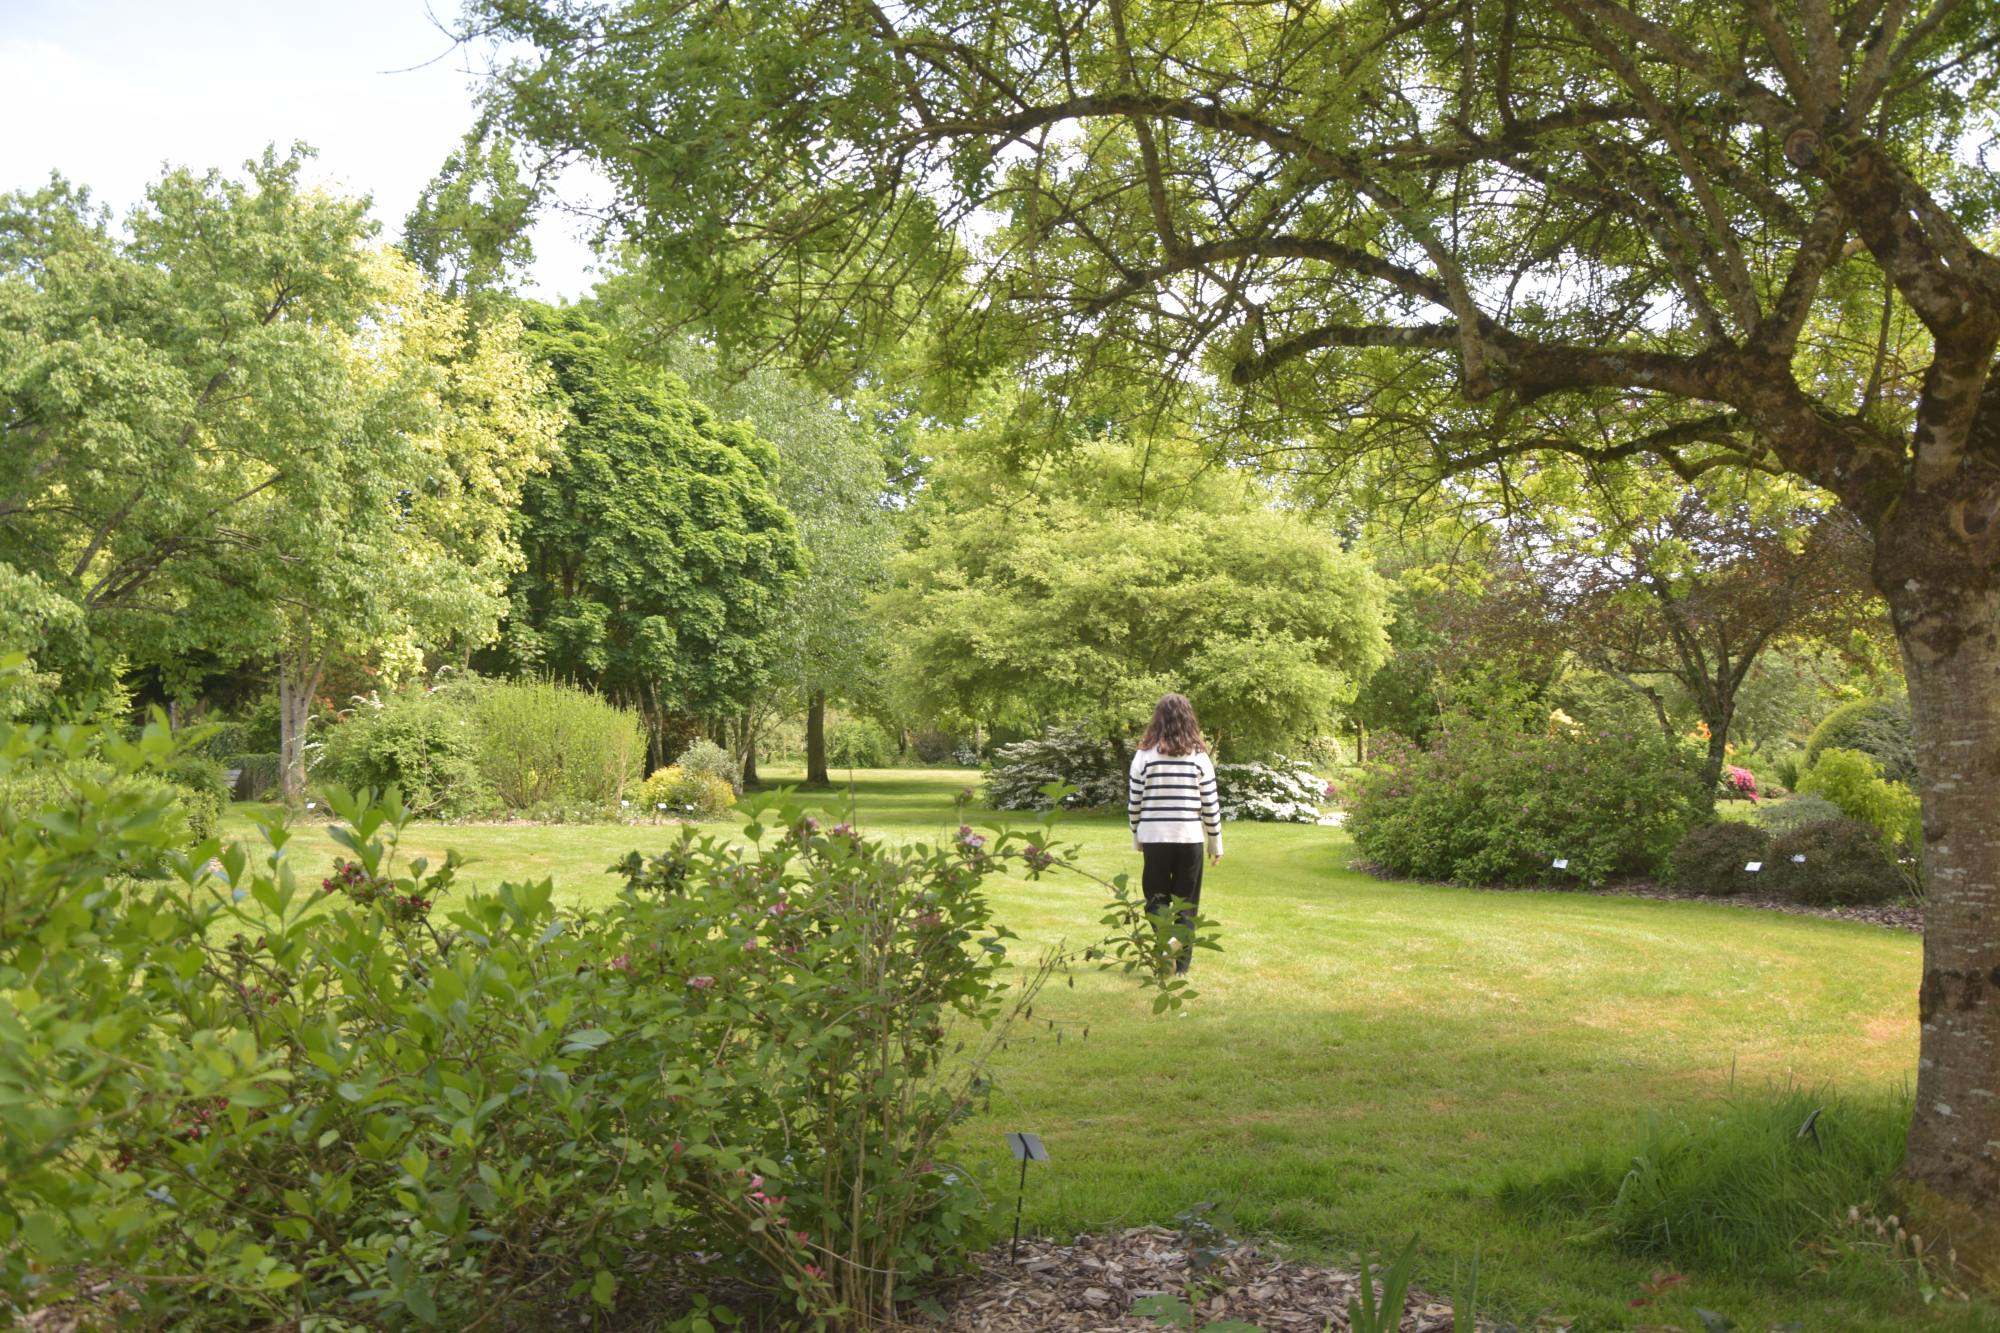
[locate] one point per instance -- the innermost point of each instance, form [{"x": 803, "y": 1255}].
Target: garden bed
[
  {"x": 1907, "y": 916},
  {"x": 1092, "y": 1284}
]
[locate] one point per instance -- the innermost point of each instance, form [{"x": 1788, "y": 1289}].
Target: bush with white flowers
[
  {"x": 1282, "y": 791},
  {"x": 1069, "y": 756}
]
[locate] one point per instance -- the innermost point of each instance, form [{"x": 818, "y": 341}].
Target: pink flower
[
  {"x": 815, "y": 1271},
  {"x": 622, "y": 963},
  {"x": 750, "y": 945},
  {"x": 778, "y": 908},
  {"x": 701, "y": 983}
]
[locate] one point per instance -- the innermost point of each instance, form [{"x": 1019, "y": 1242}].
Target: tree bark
[
  {"x": 748, "y": 753},
  {"x": 299, "y": 672},
  {"x": 816, "y": 740},
  {"x": 1947, "y": 616}
]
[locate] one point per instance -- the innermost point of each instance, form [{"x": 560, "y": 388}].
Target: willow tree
[{"x": 1725, "y": 234}]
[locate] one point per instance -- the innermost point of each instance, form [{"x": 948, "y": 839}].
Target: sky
[{"x": 107, "y": 91}]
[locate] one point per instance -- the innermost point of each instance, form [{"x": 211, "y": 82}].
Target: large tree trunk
[
  {"x": 816, "y": 740},
  {"x": 299, "y": 671},
  {"x": 747, "y": 752},
  {"x": 1947, "y": 615}
]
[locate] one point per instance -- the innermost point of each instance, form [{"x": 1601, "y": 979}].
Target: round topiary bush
[
  {"x": 1836, "y": 862},
  {"x": 1879, "y": 728},
  {"x": 1712, "y": 857}
]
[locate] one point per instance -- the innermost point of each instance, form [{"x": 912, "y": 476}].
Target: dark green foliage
[
  {"x": 1878, "y": 728},
  {"x": 657, "y": 553},
  {"x": 1067, "y": 756},
  {"x": 1494, "y": 801},
  {"x": 257, "y": 775},
  {"x": 1844, "y": 864},
  {"x": 1712, "y": 857},
  {"x": 1738, "y": 1189},
  {"x": 422, "y": 742}
]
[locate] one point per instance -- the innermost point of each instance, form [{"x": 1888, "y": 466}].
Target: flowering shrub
[
  {"x": 243, "y": 1101},
  {"x": 1280, "y": 791},
  {"x": 1062, "y": 757},
  {"x": 1739, "y": 783},
  {"x": 674, "y": 792},
  {"x": 1499, "y": 799}
]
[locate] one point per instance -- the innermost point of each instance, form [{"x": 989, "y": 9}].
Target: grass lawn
[{"x": 1367, "y": 1060}]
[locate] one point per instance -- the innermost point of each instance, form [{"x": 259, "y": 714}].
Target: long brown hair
[{"x": 1174, "y": 729}]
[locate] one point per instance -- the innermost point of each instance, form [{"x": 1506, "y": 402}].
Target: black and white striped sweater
[{"x": 1172, "y": 798}]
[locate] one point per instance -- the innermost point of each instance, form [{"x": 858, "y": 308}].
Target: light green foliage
[
  {"x": 859, "y": 742},
  {"x": 246, "y": 432},
  {"x": 1084, "y": 593},
  {"x": 542, "y": 742},
  {"x": 50, "y": 629},
  {"x": 657, "y": 554},
  {"x": 1854, "y": 782},
  {"x": 337, "y": 1101},
  {"x": 705, "y": 756},
  {"x": 156, "y": 383},
  {"x": 1878, "y": 728},
  {"x": 1349, "y": 1017},
  {"x": 425, "y": 743},
  {"x": 1497, "y": 799},
  {"x": 679, "y": 792}
]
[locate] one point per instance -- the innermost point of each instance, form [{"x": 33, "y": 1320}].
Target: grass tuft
[{"x": 1739, "y": 1189}]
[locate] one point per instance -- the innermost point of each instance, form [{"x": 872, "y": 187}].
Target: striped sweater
[{"x": 1171, "y": 798}]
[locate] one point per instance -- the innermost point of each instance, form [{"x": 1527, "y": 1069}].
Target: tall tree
[
  {"x": 239, "y": 430},
  {"x": 658, "y": 558},
  {"x": 1085, "y": 590},
  {"x": 1617, "y": 227},
  {"x": 155, "y": 381},
  {"x": 1683, "y": 592},
  {"x": 832, "y": 480}
]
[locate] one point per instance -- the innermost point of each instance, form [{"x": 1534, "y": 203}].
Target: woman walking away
[{"x": 1172, "y": 804}]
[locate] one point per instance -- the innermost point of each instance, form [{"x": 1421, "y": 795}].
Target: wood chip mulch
[
  {"x": 1891, "y": 916},
  {"x": 1089, "y": 1287},
  {"x": 1894, "y": 916}
]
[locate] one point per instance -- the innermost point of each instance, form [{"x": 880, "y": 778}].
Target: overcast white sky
[{"x": 106, "y": 91}]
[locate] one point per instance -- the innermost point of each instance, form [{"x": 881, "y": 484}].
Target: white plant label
[
  {"x": 1798, "y": 858},
  {"x": 1753, "y": 866},
  {"x": 1560, "y": 863}
]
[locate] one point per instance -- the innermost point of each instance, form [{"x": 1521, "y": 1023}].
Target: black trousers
[{"x": 1173, "y": 870}]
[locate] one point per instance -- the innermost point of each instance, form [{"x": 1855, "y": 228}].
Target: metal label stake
[{"x": 1026, "y": 1148}]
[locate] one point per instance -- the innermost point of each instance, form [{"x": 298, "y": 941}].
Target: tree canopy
[
  {"x": 1083, "y": 591},
  {"x": 658, "y": 559}
]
